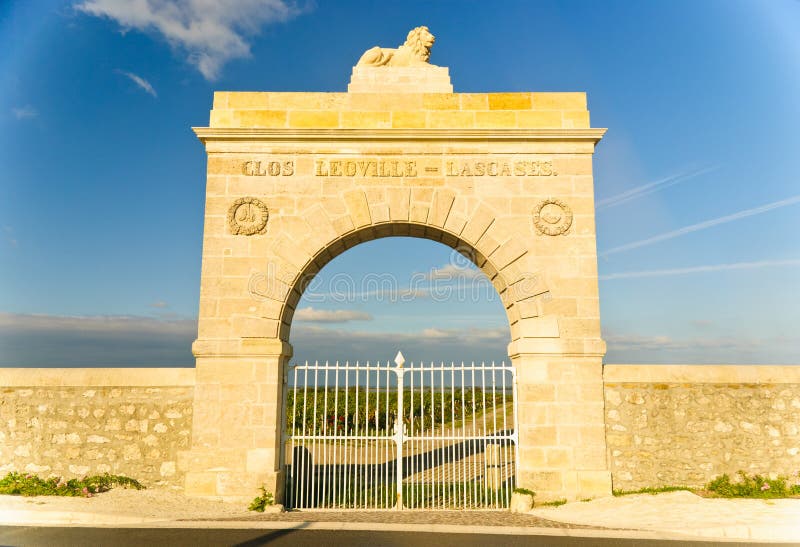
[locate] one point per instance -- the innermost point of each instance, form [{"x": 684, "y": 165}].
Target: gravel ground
[
  {"x": 171, "y": 505},
  {"x": 467, "y": 518}
]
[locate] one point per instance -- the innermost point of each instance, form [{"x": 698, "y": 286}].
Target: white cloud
[
  {"x": 703, "y": 348},
  {"x": 730, "y": 348},
  {"x": 349, "y": 292},
  {"x": 316, "y": 343},
  {"x": 435, "y": 333},
  {"x": 24, "y": 112},
  {"x": 701, "y": 269},
  {"x": 471, "y": 335},
  {"x": 159, "y": 304},
  {"x": 702, "y": 323},
  {"x": 210, "y": 32},
  {"x": 94, "y": 323},
  {"x": 311, "y": 315},
  {"x": 139, "y": 81},
  {"x": 8, "y": 231},
  {"x": 703, "y": 225},
  {"x": 454, "y": 271},
  {"x": 90, "y": 341}
]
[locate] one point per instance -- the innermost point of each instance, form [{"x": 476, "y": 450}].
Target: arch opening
[
  {"x": 467, "y": 250},
  {"x": 414, "y": 295},
  {"x": 416, "y": 432}
]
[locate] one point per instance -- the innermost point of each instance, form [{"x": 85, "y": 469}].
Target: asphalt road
[{"x": 124, "y": 537}]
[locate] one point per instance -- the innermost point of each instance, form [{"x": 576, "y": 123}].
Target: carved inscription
[
  {"x": 403, "y": 167},
  {"x": 500, "y": 169},
  {"x": 365, "y": 168},
  {"x": 257, "y": 168}
]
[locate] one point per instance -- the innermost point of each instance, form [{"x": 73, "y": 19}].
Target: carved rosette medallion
[
  {"x": 552, "y": 217},
  {"x": 248, "y": 216}
]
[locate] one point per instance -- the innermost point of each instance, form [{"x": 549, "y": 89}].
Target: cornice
[{"x": 206, "y": 134}]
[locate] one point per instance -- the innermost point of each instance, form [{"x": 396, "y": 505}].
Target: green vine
[{"x": 18, "y": 484}]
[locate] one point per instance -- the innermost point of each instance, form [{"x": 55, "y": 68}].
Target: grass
[
  {"x": 652, "y": 490},
  {"x": 745, "y": 486},
  {"x": 554, "y": 503},
  {"x": 18, "y": 484}
]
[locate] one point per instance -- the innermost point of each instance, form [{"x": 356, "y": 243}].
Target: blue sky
[{"x": 102, "y": 180}]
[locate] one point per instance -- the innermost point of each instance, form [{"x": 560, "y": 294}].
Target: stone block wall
[
  {"x": 665, "y": 424},
  {"x": 381, "y": 110},
  {"x": 76, "y": 422},
  {"x": 686, "y": 424},
  {"x": 295, "y": 179}
]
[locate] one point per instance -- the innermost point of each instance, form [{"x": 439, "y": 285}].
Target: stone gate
[{"x": 294, "y": 179}]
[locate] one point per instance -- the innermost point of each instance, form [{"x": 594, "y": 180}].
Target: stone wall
[
  {"x": 665, "y": 424},
  {"x": 295, "y": 179},
  {"x": 686, "y": 424},
  {"x": 76, "y": 422}
]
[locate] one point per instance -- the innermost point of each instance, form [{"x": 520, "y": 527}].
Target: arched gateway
[{"x": 294, "y": 179}]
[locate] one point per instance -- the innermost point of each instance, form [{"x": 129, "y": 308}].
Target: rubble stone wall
[
  {"x": 686, "y": 424},
  {"x": 76, "y": 422}
]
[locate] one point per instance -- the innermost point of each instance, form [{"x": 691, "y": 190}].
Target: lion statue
[{"x": 415, "y": 52}]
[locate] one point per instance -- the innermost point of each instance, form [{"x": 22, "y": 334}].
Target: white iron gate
[{"x": 420, "y": 436}]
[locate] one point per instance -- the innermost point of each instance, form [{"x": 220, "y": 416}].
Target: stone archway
[
  {"x": 296, "y": 178},
  {"x": 528, "y": 289}
]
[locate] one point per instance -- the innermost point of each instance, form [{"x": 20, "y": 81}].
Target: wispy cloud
[
  {"x": 702, "y": 225},
  {"x": 650, "y": 187},
  {"x": 94, "y": 323},
  {"x": 702, "y": 269},
  {"x": 91, "y": 341},
  {"x": 316, "y": 343},
  {"x": 210, "y": 33},
  {"x": 725, "y": 349},
  {"x": 474, "y": 334},
  {"x": 351, "y": 292},
  {"x": 702, "y": 323},
  {"x": 159, "y": 304},
  {"x": 8, "y": 232},
  {"x": 139, "y": 81},
  {"x": 24, "y": 112},
  {"x": 455, "y": 272},
  {"x": 310, "y": 315},
  {"x": 632, "y": 341}
]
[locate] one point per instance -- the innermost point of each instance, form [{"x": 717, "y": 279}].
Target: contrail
[
  {"x": 650, "y": 187},
  {"x": 699, "y": 269},
  {"x": 702, "y": 225}
]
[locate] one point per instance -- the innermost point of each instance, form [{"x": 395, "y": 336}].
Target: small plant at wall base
[
  {"x": 260, "y": 503},
  {"x": 652, "y": 490},
  {"x": 19, "y": 484},
  {"x": 755, "y": 486},
  {"x": 524, "y": 491},
  {"x": 747, "y": 486},
  {"x": 554, "y": 503}
]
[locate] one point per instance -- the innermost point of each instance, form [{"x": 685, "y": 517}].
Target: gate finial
[{"x": 399, "y": 359}]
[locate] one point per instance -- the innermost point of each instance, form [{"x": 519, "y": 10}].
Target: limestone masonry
[
  {"x": 665, "y": 424},
  {"x": 685, "y": 425},
  {"x": 71, "y": 422},
  {"x": 295, "y": 179}
]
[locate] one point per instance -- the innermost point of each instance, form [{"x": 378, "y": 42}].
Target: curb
[
  {"x": 82, "y": 519},
  {"x": 25, "y": 517}
]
